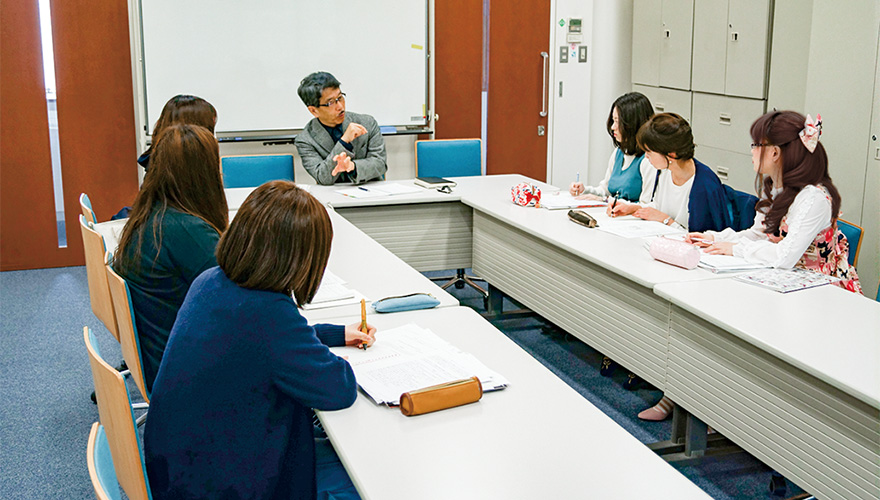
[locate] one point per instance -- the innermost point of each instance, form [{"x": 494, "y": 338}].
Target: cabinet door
[
  {"x": 734, "y": 169},
  {"x": 668, "y": 100},
  {"x": 724, "y": 122},
  {"x": 675, "y": 45},
  {"x": 646, "y": 50},
  {"x": 747, "y": 48},
  {"x": 710, "y": 46}
]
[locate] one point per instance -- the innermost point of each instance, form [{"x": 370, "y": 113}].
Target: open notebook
[{"x": 410, "y": 357}]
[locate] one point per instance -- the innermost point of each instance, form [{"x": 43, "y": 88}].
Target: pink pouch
[
  {"x": 526, "y": 195},
  {"x": 675, "y": 252}
]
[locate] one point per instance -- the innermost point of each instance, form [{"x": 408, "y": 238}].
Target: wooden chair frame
[
  {"x": 99, "y": 289},
  {"x": 131, "y": 351}
]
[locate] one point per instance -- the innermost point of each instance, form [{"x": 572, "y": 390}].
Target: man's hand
[
  {"x": 353, "y": 131},
  {"x": 343, "y": 164}
]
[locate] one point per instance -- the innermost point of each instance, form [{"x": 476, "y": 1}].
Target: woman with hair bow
[{"x": 796, "y": 220}]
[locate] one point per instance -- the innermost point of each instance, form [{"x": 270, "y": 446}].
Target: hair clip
[{"x": 811, "y": 132}]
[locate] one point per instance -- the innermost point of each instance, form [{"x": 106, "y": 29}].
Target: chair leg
[{"x": 461, "y": 279}]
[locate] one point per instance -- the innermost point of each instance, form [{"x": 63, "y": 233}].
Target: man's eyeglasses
[{"x": 332, "y": 102}]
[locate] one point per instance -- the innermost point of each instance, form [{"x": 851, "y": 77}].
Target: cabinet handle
[
  {"x": 734, "y": 36},
  {"x": 724, "y": 119},
  {"x": 667, "y": 33},
  {"x": 659, "y": 106},
  {"x": 546, "y": 65}
]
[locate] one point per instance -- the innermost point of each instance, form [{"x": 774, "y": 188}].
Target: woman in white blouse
[{"x": 796, "y": 220}]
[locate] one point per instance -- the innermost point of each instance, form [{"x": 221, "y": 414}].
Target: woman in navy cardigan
[
  {"x": 686, "y": 194},
  {"x": 232, "y": 405}
]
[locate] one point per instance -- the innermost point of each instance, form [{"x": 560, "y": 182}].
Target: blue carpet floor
[{"x": 45, "y": 383}]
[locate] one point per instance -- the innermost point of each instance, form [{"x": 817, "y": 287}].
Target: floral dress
[{"x": 829, "y": 254}]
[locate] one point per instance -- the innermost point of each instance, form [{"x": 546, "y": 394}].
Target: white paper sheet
[{"x": 409, "y": 358}]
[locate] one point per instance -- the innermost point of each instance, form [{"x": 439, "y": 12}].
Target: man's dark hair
[{"x": 312, "y": 86}]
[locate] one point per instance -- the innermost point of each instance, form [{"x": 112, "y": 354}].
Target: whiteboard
[{"x": 247, "y": 58}]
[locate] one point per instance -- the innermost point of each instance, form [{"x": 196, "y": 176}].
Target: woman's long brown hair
[
  {"x": 184, "y": 175},
  {"x": 800, "y": 168}
]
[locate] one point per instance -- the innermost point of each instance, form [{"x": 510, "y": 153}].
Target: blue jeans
[{"x": 332, "y": 479}]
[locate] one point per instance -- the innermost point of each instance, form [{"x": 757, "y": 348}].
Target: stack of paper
[
  {"x": 727, "y": 263},
  {"x": 631, "y": 227},
  {"x": 333, "y": 292},
  {"x": 787, "y": 280},
  {"x": 409, "y": 358},
  {"x": 560, "y": 200}
]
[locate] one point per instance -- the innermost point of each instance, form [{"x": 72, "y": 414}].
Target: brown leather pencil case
[{"x": 441, "y": 396}]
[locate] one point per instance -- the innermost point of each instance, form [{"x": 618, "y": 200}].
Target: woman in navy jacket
[{"x": 232, "y": 405}]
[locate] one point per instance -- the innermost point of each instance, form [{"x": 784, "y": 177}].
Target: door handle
[{"x": 546, "y": 65}]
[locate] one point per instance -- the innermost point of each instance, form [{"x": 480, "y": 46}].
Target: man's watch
[{"x": 666, "y": 221}]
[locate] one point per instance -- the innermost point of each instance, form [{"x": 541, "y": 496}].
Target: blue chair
[
  {"x": 853, "y": 235},
  {"x": 100, "y": 463},
  {"x": 120, "y": 430},
  {"x": 85, "y": 205},
  {"x": 449, "y": 158},
  {"x": 251, "y": 171}
]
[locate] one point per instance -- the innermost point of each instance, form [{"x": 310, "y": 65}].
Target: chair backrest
[
  {"x": 128, "y": 339},
  {"x": 100, "y": 463},
  {"x": 449, "y": 158},
  {"x": 117, "y": 418},
  {"x": 740, "y": 208},
  {"x": 85, "y": 205},
  {"x": 99, "y": 290},
  {"x": 853, "y": 235},
  {"x": 251, "y": 171}
]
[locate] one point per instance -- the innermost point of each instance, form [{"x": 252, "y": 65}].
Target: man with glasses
[{"x": 338, "y": 146}]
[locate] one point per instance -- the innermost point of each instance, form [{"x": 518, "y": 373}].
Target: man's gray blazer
[{"x": 316, "y": 148}]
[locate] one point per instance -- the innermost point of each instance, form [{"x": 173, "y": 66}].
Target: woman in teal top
[
  {"x": 172, "y": 233},
  {"x": 629, "y": 175}
]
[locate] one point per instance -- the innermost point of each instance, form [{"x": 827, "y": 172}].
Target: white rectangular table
[
  {"x": 369, "y": 268},
  {"x": 794, "y": 378},
  {"x": 536, "y": 439},
  {"x": 365, "y": 266}
]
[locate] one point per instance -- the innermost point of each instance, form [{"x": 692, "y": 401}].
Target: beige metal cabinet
[
  {"x": 723, "y": 122},
  {"x": 667, "y": 100},
  {"x": 662, "y": 40},
  {"x": 731, "y": 46}
]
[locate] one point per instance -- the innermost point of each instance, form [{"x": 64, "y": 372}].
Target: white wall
[
  {"x": 579, "y": 142},
  {"x": 824, "y": 60}
]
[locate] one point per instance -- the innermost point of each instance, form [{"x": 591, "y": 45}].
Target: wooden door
[
  {"x": 458, "y": 68},
  {"x": 518, "y": 33},
  {"x": 95, "y": 122}
]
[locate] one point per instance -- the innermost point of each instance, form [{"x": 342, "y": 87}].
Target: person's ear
[{"x": 313, "y": 110}]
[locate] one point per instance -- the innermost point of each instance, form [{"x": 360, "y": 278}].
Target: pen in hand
[
  {"x": 614, "y": 203},
  {"x": 364, "y": 328}
]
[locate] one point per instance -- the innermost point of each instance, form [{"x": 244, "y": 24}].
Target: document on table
[
  {"x": 560, "y": 200},
  {"x": 373, "y": 191},
  {"x": 727, "y": 263},
  {"x": 409, "y": 358},
  {"x": 333, "y": 292},
  {"x": 636, "y": 228},
  {"x": 786, "y": 280}
]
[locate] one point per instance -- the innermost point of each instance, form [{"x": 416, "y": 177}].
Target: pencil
[{"x": 364, "y": 327}]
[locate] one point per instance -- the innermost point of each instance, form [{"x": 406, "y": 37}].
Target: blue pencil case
[{"x": 409, "y": 302}]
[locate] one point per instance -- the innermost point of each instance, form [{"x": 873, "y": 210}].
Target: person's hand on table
[
  {"x": 343, "y": 164},
  {"x": 650, "y": 213},
  {"x": 701, "y": 240},
  {"x": 720, "y": 248},
  {"x": 355, "y": 337},
  {"x": 576, "y": 188},
  {"x": 621, "y": 208}
]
